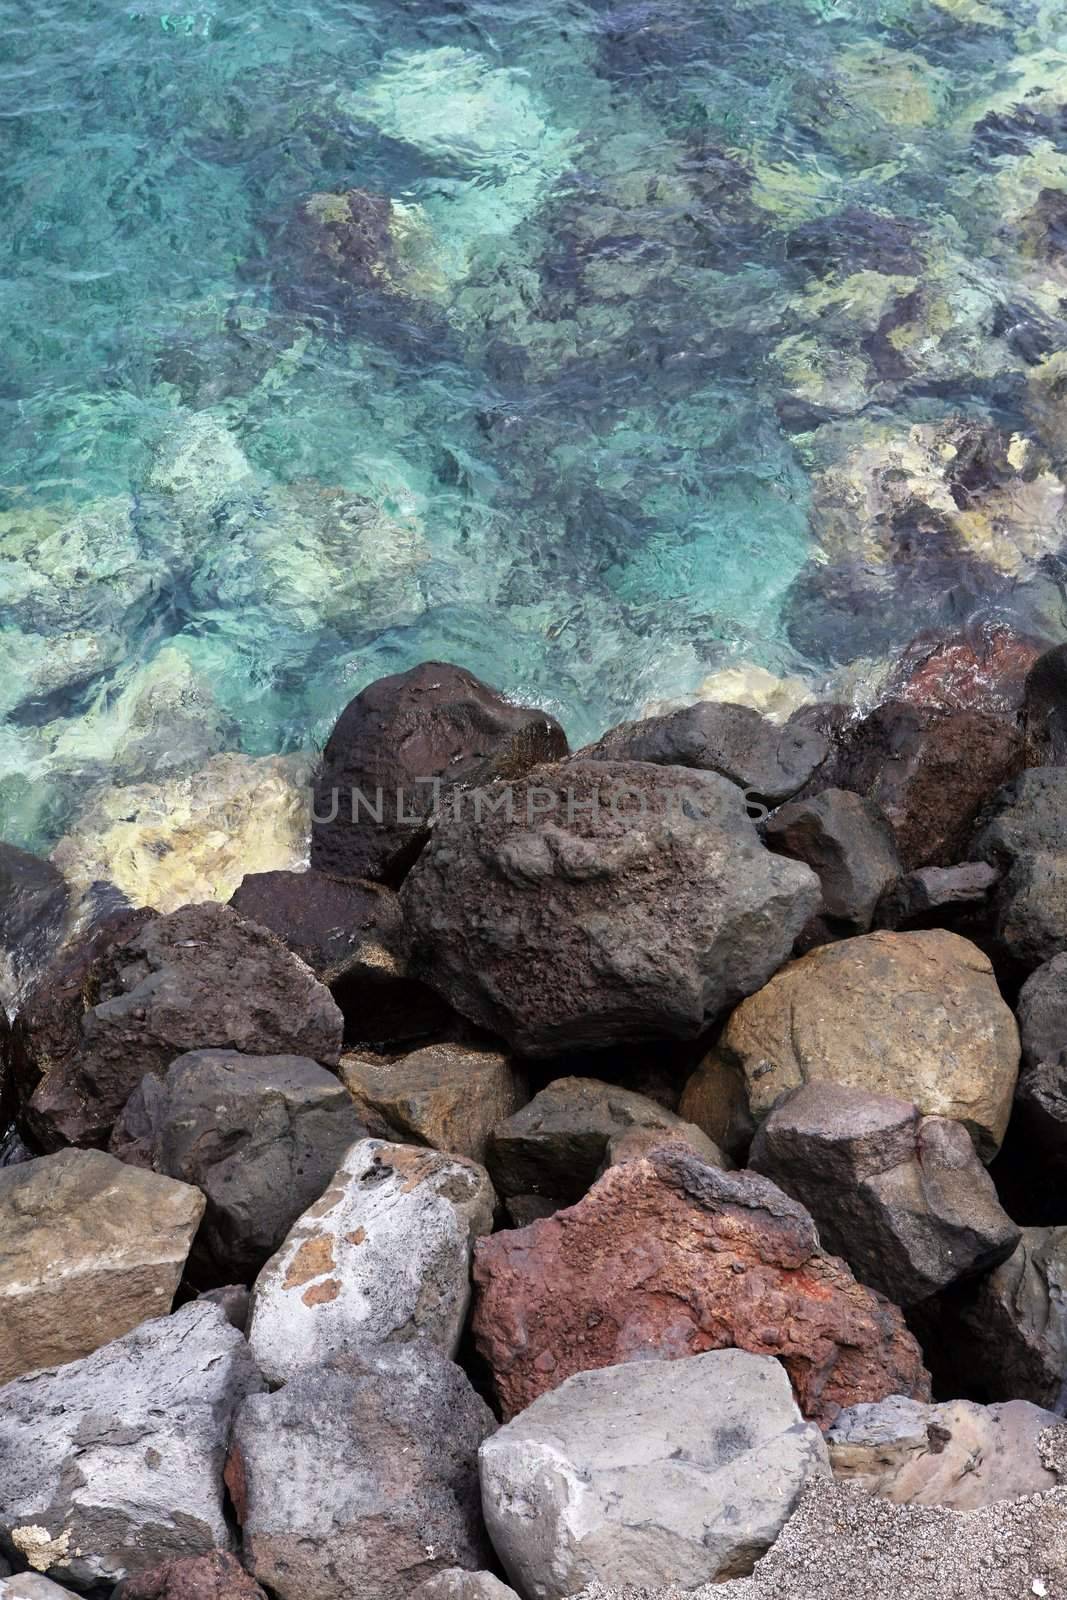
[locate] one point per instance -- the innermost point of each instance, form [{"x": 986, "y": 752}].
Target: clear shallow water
[{"x": 655, "y": 337}]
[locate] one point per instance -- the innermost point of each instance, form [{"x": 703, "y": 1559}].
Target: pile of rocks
[{"x": 626, "y": 1171}]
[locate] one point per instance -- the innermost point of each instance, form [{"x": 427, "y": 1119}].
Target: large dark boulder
[
  {"x": 603, "y": 902},
  {"x": 145, "y": 989},
  {"x": 1024, "y": 835},
  {"x": 1042, "y": 1012},
  {"x": 260, "y": 1136},
  {"x": 848, "y": 844},
  {"x": 402, "y": 748}
]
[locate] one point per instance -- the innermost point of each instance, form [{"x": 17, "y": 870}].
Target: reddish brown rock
[
  {"x": 217, "y": 1576},
  {"x": 668, "y": 1257},
  {"x": 981, "y": 671}
]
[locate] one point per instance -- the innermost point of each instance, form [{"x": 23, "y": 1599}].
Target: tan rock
[
  {"x": 446, "y": 1095},
  {"x": 89, "y": 1248},
  {"x": 914, "y": 1015},
  {"x": 193, "y": 838},
  {"x": 744, "y": 684}
]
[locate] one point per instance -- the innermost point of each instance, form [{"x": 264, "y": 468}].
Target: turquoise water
[{"x": 654, "y": 337}]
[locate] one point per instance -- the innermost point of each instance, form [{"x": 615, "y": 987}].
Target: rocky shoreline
[{"x": 616, "y": 1172}]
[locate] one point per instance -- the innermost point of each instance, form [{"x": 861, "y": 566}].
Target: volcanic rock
[
  {"x": 848, "y": 843},
  {"x": 1024, "y": 835},
  {"x": 448, "y": 1096}
]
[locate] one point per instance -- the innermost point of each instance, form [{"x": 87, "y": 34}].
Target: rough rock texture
[
  {"x": 842, "y": 1544},
  {"x": 448, "y": 1096},
  {"x": 984, "y": 670},
  {"x": 914, "y": 1015},
  {"x": 715, "y": 1099},
  {"x": 455, "y": 1584},
  {"x": 563, "y": 927},
  {"x": 670, "y": 1257},
  {"x": 1044, "y": 713},
  {"x": 352, "y": 936},
  {"x": 904, "y": 1198},
  {"x": 1038, "y": 1135},
  {"x": 31, "y": 1586},
  {"x": 384, "y": 1255},
  {"x": 769, "y": 763},
  {"x": 556, "y": 1145},
  {"x": 1042, "y": 1012},
  {"x": 149, "y": 989},
  {"x": 929, "y": 772},
  {"x": 218, "y": 1576},
  {"x": 114, "y": 1463},
  {"x": 958, "y": 1454},
  {"x": 261, "y": 1136},
  {"x": 1006, "y": 1336},
  {"x": 932, "y": 895},
  {"x": 653, "y": 1472},
  {"x": 633, "y": 1143},
  {"x": 1024, "y": 835},
  {"x": 360, "y": 1479},
  {"x": 436, "y": 722},
  {"x": 89, "y": 1249},
  {"x": 848, "y": 843},
  {"x": 33, "y": 904}
]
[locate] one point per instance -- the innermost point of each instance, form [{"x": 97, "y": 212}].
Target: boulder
[
  {"x": 932, "y": 897},
  {"x": 678, "y": 1472},
  {"x": 218, "y": 1576},
  {"x": 352, "y": 936},
  {"x": 769, "y": 763},
  {"x": 602, "y": 903},
  {"x": 260, "y": 1136},
  {"x": 383, "y": 1255},
  {"x": 914, "y": 1015},
  {"x": 1042, "y": 1012},
  {"x": 146, "y": 989},
  {"x": 556, "y": 1145},
  {"x": 456, "y": 1584},
  {"x": 1023, "y": 835},
  {"x": 233, "y": 1300},
  {"x": 849, "y": 846},
  {"x": 400, "y": 749},
  {"x": 1044, "y": 710},
  {"x": 1037, "y": 1137},
  {"x": 31, "y": 1586},
  {"x": 903, "y": 1197},
  {"x": 958, "y": 1454},
  {"x": 447, "y": 1096},
  {"x": 667, "y": 1257},
  {"x": 90, "y": 1249},
  {"x": 984, "y": 670},
  {"x": 360, "y": 1479},
  {"x": 929, "y": 772},
  {"x": 633, "y": 1143},
  {"x": 33, "y": 907},
  {"x": 112, "y": 1464}
]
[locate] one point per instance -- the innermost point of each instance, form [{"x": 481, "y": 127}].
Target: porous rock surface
[
  {"x": 667, "y": 1256},
  {"x": 1023, "y": 833},
  {"x": 218, "y": 1576}
]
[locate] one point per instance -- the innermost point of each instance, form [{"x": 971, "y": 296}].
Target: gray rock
[
  {"x": 556, "y": 1145},
  {"x": 847, "y": 842},
  {"x": 31, "y": 1586},
  {"x": 33, "y": 907},
  {"x": 89, "y": 1249},
  {"x": 233, "y": 1300},
  {"x": 113, "y": 1463},
  {"x": 959, "y": 1454},
  {"x": 359, "y": 1479},
  {"x": 383, "y": 1255},
  {"x": 559, "y": 926},
  {"x": 768, "y": 762},
  {"x": 654, "y": 1472},
  {"x": 1039, "y": 1130},
  {"x": 146, "y": 989},
  {"x": 904, "y": 1198},
  {"x": 1042, "y": 1012},
  {"x": 455, "y": 1584},
  {"x": 261, "y": 1136},
  {"x": 933, "y": 895},
  {"x": 1024, "y": 835}
]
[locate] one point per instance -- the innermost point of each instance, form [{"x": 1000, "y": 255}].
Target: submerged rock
[{"x": 34, "y": 901}]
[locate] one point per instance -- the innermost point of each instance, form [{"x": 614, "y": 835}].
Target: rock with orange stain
[
  {"x": 668, "y": 1257},
  {"x": 384, "y": 1255}
]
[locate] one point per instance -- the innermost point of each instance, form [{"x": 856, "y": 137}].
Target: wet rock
[
  {"x": 112, "y": 1464},
  {"x": 1044, "y": 711},
  {"x": 1022, "y": 834},
  {"x": 455, "y": 1584},
  {"x": 902, "y": 1197},
  {"x": 389, "y": 1436},
  {"x": 384, "y": 1255},
  {"x": 979, "y": 670},
  {"x": 855, "y": 240},
  {"x": 744, "y": 684},
  {"x": 33, "y": 906},
  {"x": 91, "y": 1249},
  {"x": 669, "y": 1257},
  {"x": 192, "y": 838},
  {"x": 688, "y": 1481},
  {"x": 352, "y": 936},
  {"x": 259, "y": 1136},
  {"x": 556, "y": 1145},
  {"x": 148, "y": 989},
  {"x": 619, "y": 901},
  {"x": 447, "y": 1096},
  {"x": 959, "y": 1454},
  {"x": 933, "y": 896},
  {"x": 217, "y": 1576},
  {"x": 914, "y": 1015},
  {"x": 848, "y": 845},
  {"x": 929, "y": 773},
  {"x": 766, "y": 761},
  {"x": 1042, "y": 1012},
  {"x": 401, "y": 748}
]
